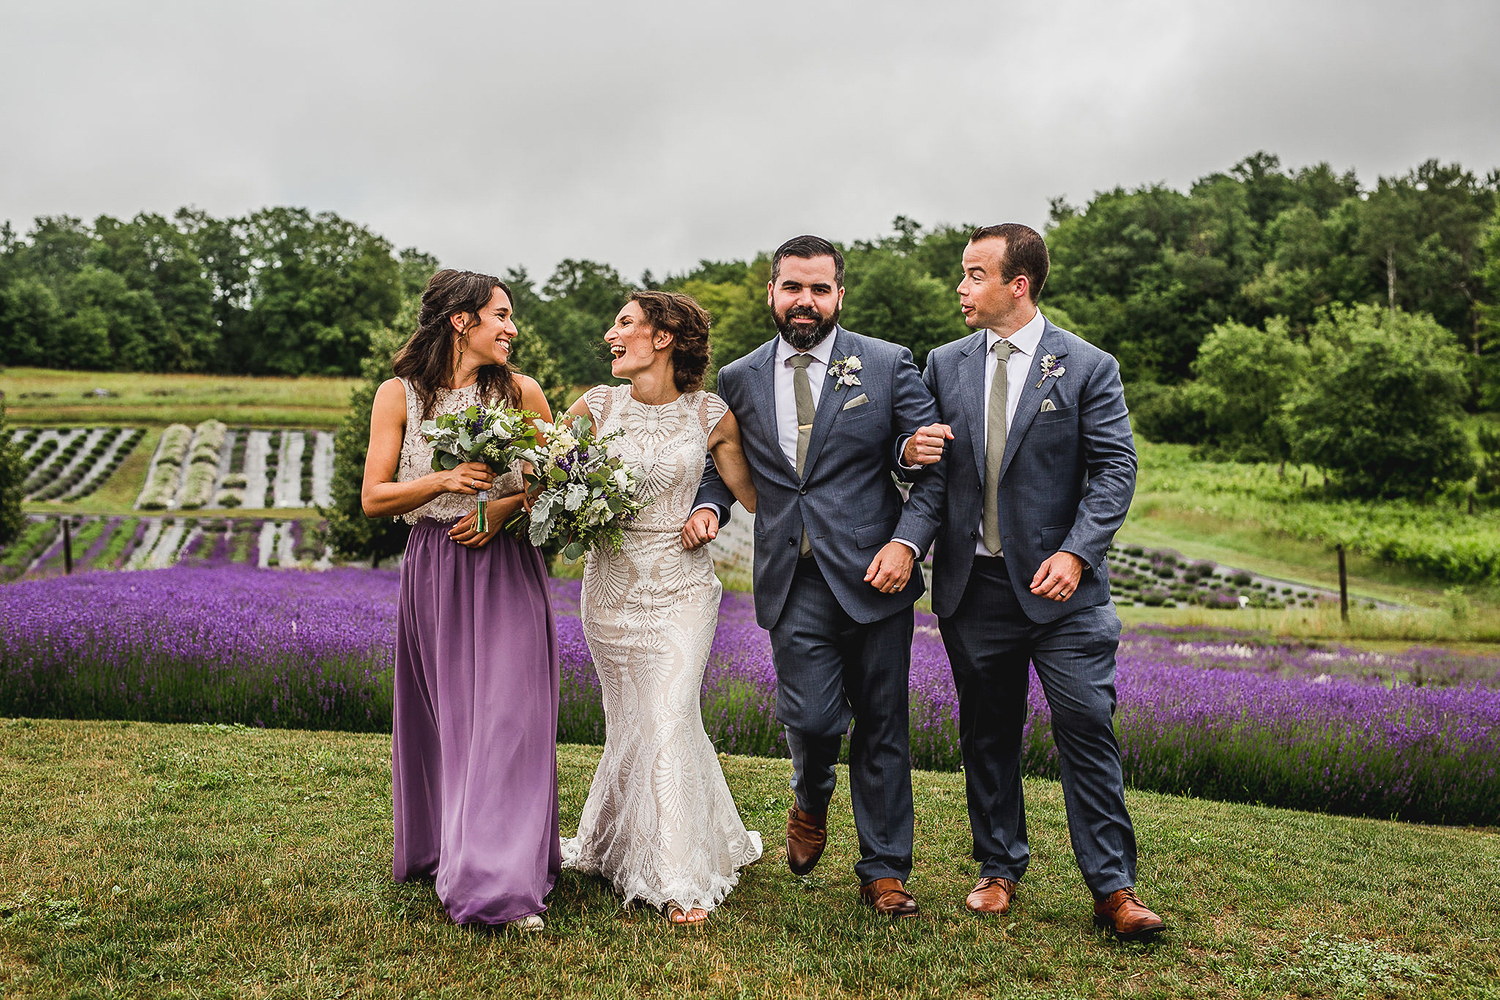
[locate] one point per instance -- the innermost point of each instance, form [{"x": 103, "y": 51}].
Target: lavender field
[{"x": 1414, "y": 735}]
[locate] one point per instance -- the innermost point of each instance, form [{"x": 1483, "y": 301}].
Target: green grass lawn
[
  {"x": 43, "y": 397},
  {"x": 202, "y": 861}
]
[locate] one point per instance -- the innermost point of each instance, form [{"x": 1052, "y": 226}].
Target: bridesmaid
[{"x": 474, "y": 762}]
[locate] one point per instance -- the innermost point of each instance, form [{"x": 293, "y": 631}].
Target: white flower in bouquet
[{"x": 587, "y": 496}]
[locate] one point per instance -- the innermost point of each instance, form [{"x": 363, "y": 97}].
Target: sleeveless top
[{"x": 416, "y": 456}]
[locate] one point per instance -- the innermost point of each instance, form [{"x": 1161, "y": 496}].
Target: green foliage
[
  {"x": 1438, "y": 540},
  {"x": 890, "y": 296},
  {"x": 1243, "y": 377},
  {"x": 351, "y": 534},
  {"x": 281, "y": 291},
  {"x": 1382, "y": 410},
  {"x": 1149, "y": 273},
  {"x": 1488, "y": 479},
  {"x": 12, "y": 475}
]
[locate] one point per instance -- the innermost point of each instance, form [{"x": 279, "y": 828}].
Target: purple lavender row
[{"x": 1414, "y": 735}]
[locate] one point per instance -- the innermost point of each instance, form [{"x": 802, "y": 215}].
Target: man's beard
[{"x": 803, "y": 337}]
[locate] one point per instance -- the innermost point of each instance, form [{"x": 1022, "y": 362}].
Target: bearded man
[{"x": 826, "y": 417}]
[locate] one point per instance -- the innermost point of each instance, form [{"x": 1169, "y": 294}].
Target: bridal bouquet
[
  {"x": 488, "y": 434},
  {"x": 587, "y": 497}
]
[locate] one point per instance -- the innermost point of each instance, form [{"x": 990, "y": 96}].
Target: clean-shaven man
[{"x": 1039, "y": 474}]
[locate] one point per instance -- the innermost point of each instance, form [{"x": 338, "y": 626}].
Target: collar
[
  {"x": 821, "y": 351},
  {"x": 1025, "y": 340}
]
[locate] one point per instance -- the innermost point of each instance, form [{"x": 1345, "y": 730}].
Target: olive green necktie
[
  {"x": 994, "y": 444},
  {"x": 806, "y": 411}
]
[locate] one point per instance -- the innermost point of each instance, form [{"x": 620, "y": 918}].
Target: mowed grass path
[{"x": 201, "y": 861}]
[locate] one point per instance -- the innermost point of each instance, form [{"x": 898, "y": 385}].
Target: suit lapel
[
  {"x": 830, "y": 403},
  {"x": 971, "y": 365},
  {"x": 1031, "y": 393},
  {"x": 763, "y": 388}
]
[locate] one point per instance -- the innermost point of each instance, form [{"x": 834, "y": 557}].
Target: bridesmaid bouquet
[
  {"x": 488, "y": 434},
  {"x": 587, "y": 496}
]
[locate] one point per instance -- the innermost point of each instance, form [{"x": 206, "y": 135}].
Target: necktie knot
[
  {"x": 1003, "y": 349},
  {"x": 801, "y": 360}
]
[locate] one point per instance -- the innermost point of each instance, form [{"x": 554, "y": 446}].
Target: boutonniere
[
  {"x": 846, "y": 370},
  {"x": 1051, "y": 369}
]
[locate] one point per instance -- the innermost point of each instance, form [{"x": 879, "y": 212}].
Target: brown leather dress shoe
[
  {"x": 889, "y": 898},
  {"x": 806, "y": 836},
  {"x": 1123, "y": 912},
  {"x": 991, "y": 895}
]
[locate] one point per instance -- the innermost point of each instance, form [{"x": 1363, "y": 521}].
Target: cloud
[{"x": 650, "y": 135}]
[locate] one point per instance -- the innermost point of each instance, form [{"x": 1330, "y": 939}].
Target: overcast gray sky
[{"x": 652, "y": 134}]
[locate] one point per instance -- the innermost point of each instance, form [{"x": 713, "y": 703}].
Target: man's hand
[
  {"x": 891, "y": 568},
  {"x": 925, "y": 446},
  {"x": 701, "y": 528},
  {"x": 1058, "y": 577}
]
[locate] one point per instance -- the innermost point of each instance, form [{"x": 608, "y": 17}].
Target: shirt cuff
[
  {"x": 901, "y": 454},
  {"x": 916, "y": 552},
  {"x": 718, "y": 511}
]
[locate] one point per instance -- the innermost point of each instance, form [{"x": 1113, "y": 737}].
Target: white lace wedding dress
[{"x": 659, "y": 822}]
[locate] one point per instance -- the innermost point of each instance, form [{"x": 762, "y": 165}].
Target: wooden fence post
[
  {"x": 67, "y": 526},
  {"x": 1343, "y": 587}
]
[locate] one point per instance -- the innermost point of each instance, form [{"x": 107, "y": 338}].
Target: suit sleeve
[
  {"x": 912, "y": 407},
  {"x": 711, "y": 489},
  {"x": 1109, "y": 456}
]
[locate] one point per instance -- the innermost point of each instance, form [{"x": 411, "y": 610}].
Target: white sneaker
[{"x": 531, "y": 923}]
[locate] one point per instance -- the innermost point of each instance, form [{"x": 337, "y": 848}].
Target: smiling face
[
  {"x": 634, "y": 343},
  {"x": 805, "y": 299},
  {"x": 486, "y": 338},
  {"x": 988, "y": 301}
]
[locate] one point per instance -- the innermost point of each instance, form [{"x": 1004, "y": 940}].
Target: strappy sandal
[{"x": 680, "y": 918}]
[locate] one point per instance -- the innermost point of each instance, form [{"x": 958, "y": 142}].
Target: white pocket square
[
  {"x": 1047, "y": 406},
  {"x": 859, "y": 400}
]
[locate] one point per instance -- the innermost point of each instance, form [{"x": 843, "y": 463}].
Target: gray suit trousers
[
  {"x": 990, "y": 642},
  {"x": 830, "y": 668}
]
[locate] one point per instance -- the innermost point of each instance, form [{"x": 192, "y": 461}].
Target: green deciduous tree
[
  {"x": 1381, "y": 407},
  {"x": 351, "y": 534},
  {"x": 1244, "y": 375}
]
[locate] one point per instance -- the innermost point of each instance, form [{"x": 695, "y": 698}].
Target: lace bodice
[
  {"x": 416, "y": 456},
  {"x": 665, "y": 445}
]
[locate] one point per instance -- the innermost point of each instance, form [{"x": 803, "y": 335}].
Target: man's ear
[{"x": 769, "y": 287}]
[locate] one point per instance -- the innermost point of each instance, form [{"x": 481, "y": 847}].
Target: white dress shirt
[
  {"x": 786, "y": 391},
  {"x": 1024, "y": 343}
]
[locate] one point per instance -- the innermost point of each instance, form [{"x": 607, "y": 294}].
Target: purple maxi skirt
[{"x": 474, "y": 759}]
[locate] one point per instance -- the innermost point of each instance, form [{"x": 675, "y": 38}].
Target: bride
[{"x": 659, "y": 822}]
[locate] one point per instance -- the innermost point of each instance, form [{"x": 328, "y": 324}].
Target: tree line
[{"x": 1264, "y": 313}]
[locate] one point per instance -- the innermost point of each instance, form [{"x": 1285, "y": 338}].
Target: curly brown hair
[
  {"x": 688, "y": 323},
  {"x": 427, "y": 359}
]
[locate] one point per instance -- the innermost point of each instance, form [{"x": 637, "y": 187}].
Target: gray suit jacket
[
  {"x": 847, "y": 500},
  {"x": 1066, "y": 480}
]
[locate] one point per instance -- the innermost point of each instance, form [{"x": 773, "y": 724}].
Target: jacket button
[
  {"x": 791, "y": 541},
  {"x": 973, "y": 534},
  {"x": 803, "y": 491}
]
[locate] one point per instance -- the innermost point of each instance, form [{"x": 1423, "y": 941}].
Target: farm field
[
  {"x": 42, "y": 397},
  {"x": 213, "y": 861}
]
